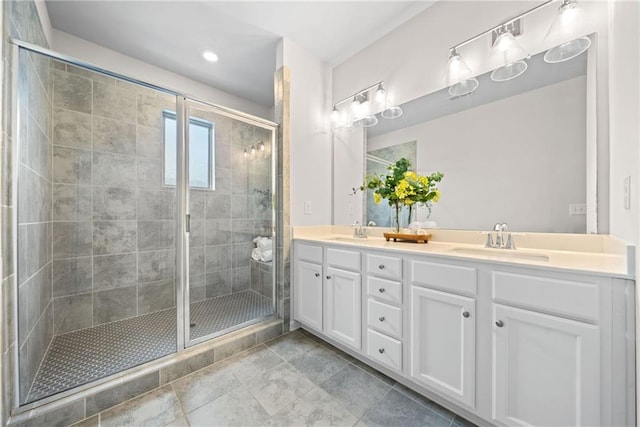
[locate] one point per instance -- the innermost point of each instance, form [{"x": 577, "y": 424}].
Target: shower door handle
[{"x": 188, "y": 222}]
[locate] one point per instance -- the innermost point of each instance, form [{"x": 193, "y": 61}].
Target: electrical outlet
[
  {"x": 627, "y": 192},
  {"x": 577, "y": 209},
  {"x": 307, "y": 208}
]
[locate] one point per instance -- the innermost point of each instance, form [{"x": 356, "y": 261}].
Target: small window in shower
[{"x": 201, "y": 152}]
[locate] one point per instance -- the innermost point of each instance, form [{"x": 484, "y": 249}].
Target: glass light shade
[
  {"x": 464, "y": 87},
  {"x": 571, "y": 22},
  {"x": 369, "y": 121},
  {"x": 392, "y": 112},
  {"x": 457, "y": 70},
  {"x": 567, "y": 50},
  {"x": 509, "y": 71},
  {"x": 365, "y": 109},
  {"x": 506, "y": 50}
]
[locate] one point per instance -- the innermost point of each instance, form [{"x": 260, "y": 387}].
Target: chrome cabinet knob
[
  {"x": 381, "y": 350},
  {"x": 381, "y": 266},
  {"x": 499, "y": 323},
  {"x": 381, "y": 318},
  {"x": 317, "y": 274},
  {"x": 465, "y": 314},
  {"x": 328, "y": 277},
  {"x": 381, "y": 290}
]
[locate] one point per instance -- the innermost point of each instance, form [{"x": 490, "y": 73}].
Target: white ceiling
[{"x": 172, "y": 34}]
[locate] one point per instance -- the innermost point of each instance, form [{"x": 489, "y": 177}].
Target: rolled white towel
[
  {"x": 256, "y": 254},
  {"x": 266, "y": 256},
  {"x": 415, "y": 225},
  {"x": 265, "y": 244}
]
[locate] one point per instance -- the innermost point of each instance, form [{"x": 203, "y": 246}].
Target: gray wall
[
  {"x": 224, "y": 222},
  {"x": 113, "y": 231}
]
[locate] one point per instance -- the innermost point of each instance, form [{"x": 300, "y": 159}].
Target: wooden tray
[{"x": 417, "y": 238}]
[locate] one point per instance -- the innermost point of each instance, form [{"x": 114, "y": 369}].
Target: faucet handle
[
  {"x": 356, "y": 224},
  {"x": 497, "y": 227},
  {"x": 511, "y": 243},
  {"x": 371, "y": 224},
  {"x": 489, "y": 243}
]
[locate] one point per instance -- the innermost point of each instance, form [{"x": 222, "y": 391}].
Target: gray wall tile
[
  {"x": 154, "y": 235},
  {"x": 197, "y": 203},
  {"x": 241, "y": 278},
  {"x": 71, "y": 92},
  {"x": 71, "y": 239},
  {"x": 114, "y": 304},
  {"x": 114, "y": 271},
  {"x": 114, "y": 170},
  {"x": 149, "y": 173},
  {"x": 71, "y": 202},
  {"x": 218, "y": 257},
  {"x": 36, "y": 207},
  {"x": 150, "y": 110},
  {"x": 72, "y": 313},
  {"x": 156, "y": 296},
  {"x": 113, "y": 136},
  {"x": 112, "y": 203},
  {"x": 196, "y": 262},
  {"x": 114, "y": 103},
  {"x": 156, "y": 266},
  {"x": 241, "y": 254},
  {"x": 72, "y": 276},
  {"x": 71, "y": 166},
  {"x": 218, "y": 232},
  {"x": 218, "y": 206},
  {"x": 149, "y": 142},
  {"x": 35, "y": 149},
  {"x": 218, "y": 283},
  {"x": 114, "y": 237},
  {"x": 72, "y": 129},
  {"x": 154, "y": 204}
]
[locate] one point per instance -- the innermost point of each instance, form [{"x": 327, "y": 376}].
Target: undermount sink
[
  {"x": 353, "y": 239},
  {"x": 502, "y": 253}
]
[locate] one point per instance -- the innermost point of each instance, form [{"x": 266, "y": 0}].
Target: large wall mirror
[{"x": 520, "y": 152}]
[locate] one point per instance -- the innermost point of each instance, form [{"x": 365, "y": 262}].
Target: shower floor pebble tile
[{"x": 261, "y": 387}]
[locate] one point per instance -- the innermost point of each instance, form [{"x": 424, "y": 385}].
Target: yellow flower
[
  {"x": 437, "y": 196},
  {"x": 410, "y": 175},
  {"x": 377, "y": 198},
  {"x": 423, "y": 180},
  {"x": 408, "y": 202},
  {"x": 402, "y": 189}
]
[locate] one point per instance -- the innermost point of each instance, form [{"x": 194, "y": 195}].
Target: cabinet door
[
  {"x": 309, "y": 294},
  {"x": 546, "y": 369},
  {"x": 343, "y": 306},
  {"x": 443, "y": 335}
]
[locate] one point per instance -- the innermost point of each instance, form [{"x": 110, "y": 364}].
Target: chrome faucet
[
  {"x": 360, "y": 231},
  {"x": 500, "y": 242}
]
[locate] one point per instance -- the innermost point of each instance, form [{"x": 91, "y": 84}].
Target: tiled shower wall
[
  {"x": 35, "y": 191},
  {"x": 225, "y": 221},
  {"x": 113, "y": 244}
]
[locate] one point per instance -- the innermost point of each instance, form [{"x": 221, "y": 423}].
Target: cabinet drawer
[
  {"x": 349, "y": 260},
  {"x": 384, "y": 266},
  {"x": 386, "y": 290},
  {"x": 309, "y": 253},
  {"x": 451, "y": 278},
  {"x": 385, "y": 318},
  {"x": 568, "y": 298},
  {"x": 384, "y": 349}
]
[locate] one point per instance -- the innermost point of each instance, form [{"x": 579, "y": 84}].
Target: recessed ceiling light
[{"x": 210, "y": 56}]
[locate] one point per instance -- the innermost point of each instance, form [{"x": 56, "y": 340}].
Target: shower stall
[{"x": 138, "y": 212}]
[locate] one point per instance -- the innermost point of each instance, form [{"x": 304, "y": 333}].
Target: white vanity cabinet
[
  {"x": 343, "y": 296},
  {"x": 546, "y": 350},
  {"x": 500, "y": 343},
  {"x": 443, "y": 328},
  {"x": 309, "y": 285}
]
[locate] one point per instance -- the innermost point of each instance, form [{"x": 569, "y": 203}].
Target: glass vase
[{"x": 396, "y": 217}]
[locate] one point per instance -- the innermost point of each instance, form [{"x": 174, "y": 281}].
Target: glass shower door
[{"x": 229, "y": 170}]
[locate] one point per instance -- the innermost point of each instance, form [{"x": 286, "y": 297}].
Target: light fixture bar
[
  {"x": 503, "y": 23},
  {"x": 357, "y": 94}
]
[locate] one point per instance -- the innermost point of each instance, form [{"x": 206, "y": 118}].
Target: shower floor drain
[{"x": 79, "y": 357}]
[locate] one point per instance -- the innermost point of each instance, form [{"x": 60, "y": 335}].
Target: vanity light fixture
[
  {"x": 210, "y": 55},
  {"x": 571, "y": 21},
  {"x": 365, "y": 104},
  {"x": 459, "y": 75},
  {"x": 507, "y": 51}
]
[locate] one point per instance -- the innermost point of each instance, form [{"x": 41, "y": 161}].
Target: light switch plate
[
  {"x": 577, "y": 209},
  {"x": 307, "y": 208}
]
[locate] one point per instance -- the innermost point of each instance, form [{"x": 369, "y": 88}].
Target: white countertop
[{"x": 601, "y": 254}]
